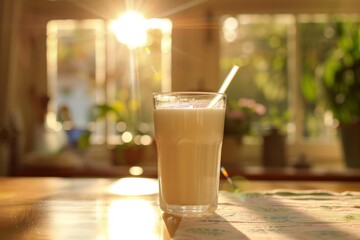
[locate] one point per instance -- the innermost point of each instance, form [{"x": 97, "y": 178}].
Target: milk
[{"x": 189, "y": 148}]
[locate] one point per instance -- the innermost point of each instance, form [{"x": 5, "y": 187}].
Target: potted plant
[
  {"x": 239, "y": 117},
  {"x": 341, "y": 83},
  {"x": 121, "y": 112}
]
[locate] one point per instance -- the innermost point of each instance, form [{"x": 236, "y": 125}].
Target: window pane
[
  {"x": 318, "y": 37},
  {"x": 134, "y": 74},
  {"x": 259, "y": 45},
  {"x": 89, "y": 67},
  {"x": 74, "y": 49}
]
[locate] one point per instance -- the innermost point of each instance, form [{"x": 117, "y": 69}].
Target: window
[
  {"x": 75, "y": 54},
  {"x": 318, "y": 35},
  {"x": 281, "y": 56},
  {"x": 89, "y": 67},
  {"x": 279, "y": 46},
  {"x": 259, "y": 45}
]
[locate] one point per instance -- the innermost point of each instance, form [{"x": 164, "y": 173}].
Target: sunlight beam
[{"x": 181, "y": 8}]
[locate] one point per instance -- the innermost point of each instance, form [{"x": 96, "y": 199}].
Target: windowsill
[
  {"x": 322, "y": 156},
  {"x": 245, "y": 173},
  {"x": 96, "y": 162}
]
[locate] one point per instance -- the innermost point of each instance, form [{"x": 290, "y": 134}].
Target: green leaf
[
  {"x": 104, "y": 109},
  {"x": 331, "y": 67},
  {"x": 308, "y": 88}
]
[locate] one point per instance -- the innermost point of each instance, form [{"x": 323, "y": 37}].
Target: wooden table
[{"x": 99, "y": 209}]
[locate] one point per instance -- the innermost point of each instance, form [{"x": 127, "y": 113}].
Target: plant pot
[
  {"x": 350, "y": 140},
  {"x": 127, "y": 155},
  {"x": 133, "y": 155},
  {"x": 274, "y": 149},
  {"x": 230, "y": 153}
]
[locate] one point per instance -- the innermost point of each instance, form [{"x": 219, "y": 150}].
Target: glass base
[{"x": 190, "y": 210}]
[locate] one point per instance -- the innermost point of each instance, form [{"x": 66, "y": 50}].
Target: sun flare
[{"x": 131, "y": 29}]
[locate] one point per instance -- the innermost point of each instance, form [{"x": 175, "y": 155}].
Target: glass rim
[{"x": 188, "y": 93}]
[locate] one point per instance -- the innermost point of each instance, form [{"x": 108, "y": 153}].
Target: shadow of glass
[
  {"x": 270, "y": 216},
  {"x": 197, "y": 228}
]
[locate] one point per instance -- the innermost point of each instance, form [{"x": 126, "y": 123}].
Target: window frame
[
  {"x": 194, "y": 32},
  {"x": 319, "y": 154}
]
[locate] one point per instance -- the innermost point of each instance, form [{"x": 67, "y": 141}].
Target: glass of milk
[{"x": 189, "y": 134}]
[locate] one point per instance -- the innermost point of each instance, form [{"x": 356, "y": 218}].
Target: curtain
[{"x": 10, "y": 14}]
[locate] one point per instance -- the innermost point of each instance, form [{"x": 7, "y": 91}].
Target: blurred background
[{"x": 77, "y": 78}]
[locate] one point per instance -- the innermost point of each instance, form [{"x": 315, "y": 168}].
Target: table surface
[{"x": 104, "y": 208}]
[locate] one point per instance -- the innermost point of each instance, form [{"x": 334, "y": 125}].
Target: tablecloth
[{"x": 278, "y": 214}]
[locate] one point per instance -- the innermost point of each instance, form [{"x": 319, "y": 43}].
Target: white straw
[{"x": 224, "y": 85}]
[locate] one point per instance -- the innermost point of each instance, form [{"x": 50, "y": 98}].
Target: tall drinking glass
[{"x": 189, "y": 134}]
